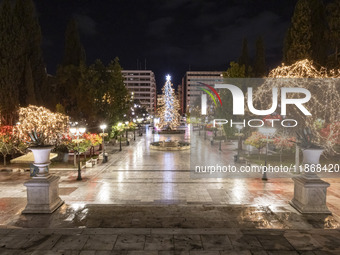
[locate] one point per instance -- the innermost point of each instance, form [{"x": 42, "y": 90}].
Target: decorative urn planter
[
  {"x": 43, "y": 189},
  {"x": 311, "y": 156},
  {"x": 41, "y": 159},
  {"x": 309, "y": 190}
]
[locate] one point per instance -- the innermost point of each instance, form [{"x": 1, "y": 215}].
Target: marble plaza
[{"x": 146, "y": 202}]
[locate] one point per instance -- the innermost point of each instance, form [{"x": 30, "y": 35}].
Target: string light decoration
[
  {"x": 169, "y": 111},
  {"x": 324, "y": 86},
  {"x": 52, "y": 125},
  {"x": 303, "y": 69}
]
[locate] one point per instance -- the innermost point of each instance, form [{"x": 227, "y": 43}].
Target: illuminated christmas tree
[{"x": 169, "y": 115}]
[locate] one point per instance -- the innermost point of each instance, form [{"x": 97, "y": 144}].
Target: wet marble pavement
[
  {"x": 151, "y": 191},
  {"x": 166, "y": 241},
  {"x": 175, "y": 216}
]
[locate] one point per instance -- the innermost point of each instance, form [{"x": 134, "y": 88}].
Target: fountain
[{"x": 170, "y": 145}]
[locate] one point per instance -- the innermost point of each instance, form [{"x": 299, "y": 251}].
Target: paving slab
[
  {"x": 100, "y": 242},
  {"x": 71, "y": 242},
  {"x": 245, "y": 242},
  {"x": 301, "y": 241},
  {"x": 216, "y": 242},
  {"x": 188, "y": 242},
  {"x": 159, "y": 242},
  {"x": 274, "y": 242},
  {"x": 130, "y": 242}
]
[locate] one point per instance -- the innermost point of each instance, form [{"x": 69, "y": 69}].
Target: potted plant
[
  {"x": 311, "y": 151},
  {"x": 40, "y": 150},
  {"x": 42, "y": 189}
]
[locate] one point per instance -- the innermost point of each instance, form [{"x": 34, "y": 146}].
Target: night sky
[{"x": 172, "y": 35}]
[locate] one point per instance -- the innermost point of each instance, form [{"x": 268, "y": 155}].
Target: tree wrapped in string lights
[
  {"x": 51, "y": 125},
  {"x": 324, "y": 86},
  {"x": 169, "y": 111},
  {"x": 303, "y": 69}
]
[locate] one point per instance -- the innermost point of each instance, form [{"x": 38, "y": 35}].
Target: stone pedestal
[
  {"x": 310, "y": 195},
  {"x": 43, "y": 194},
  {"x": 310, "y": 191}
]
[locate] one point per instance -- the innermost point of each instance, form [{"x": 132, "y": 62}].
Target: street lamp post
[
  {"x": 134, "y": 129},
  {"x": 126, "y": 130},
  {"x": 220, "y": 145},
  {"x": 205, "y": 132},
  {"x": 239, "y": 127},
  {"x": 78, "y": 131},
  {"x": 103, "y": 127},
  {"x": 140, "y": 120},
  {"x": 267, "y": 132},
  {"x": 120, "y": 138}
]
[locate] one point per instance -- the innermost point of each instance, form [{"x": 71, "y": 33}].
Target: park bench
[{"x": 89, "y": 163}]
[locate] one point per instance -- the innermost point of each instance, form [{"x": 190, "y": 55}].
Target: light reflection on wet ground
[
  {"x": 144, "y": 188},
  {"x": 174, "y": 216}
]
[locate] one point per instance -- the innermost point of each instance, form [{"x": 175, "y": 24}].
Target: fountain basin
[{"x": 170, "y": 145}]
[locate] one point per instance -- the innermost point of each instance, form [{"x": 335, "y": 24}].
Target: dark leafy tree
[
  {"x": 74, "y": 53},
  {"x": 319, "y": 32},
  {"x": 68, "y": 81},
  {"x": 70, "y": 73},
  {"x": 260, "y": 59},
  {"x": 25, "y": 13},
  {"x": 52, "y": 83},
  {"x": 30, "y": 96},
  {"x": 333, "y": 18},
  {"x": 86, "y": 94},
  {"x": 120, "y": 100},
  {"x": 10, "y": 55},
  {"x": 235, "y": 71},
  {"x": 244, "y": 58},
  {"x": 297, "y": 43},
  {"x": 60, "y": 109},
  {"x": 105, "y": 97},
  {"x": 305, "y": 38},
  {"x": 101, "y": 90},
  {"x": 225, "y": 111}
]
